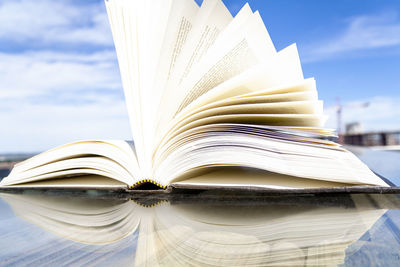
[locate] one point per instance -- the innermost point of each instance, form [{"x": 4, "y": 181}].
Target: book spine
[{"x": 141, "y": 182}]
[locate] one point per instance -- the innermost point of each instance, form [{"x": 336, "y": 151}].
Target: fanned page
[
  {"x": 210, "y": 102},
  {"x": 228, "y": 73},
  {"x": 81, "y": 164}
]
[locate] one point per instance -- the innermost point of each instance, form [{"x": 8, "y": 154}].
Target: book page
[
  {"x": 223, "y": 98},
  {"x": 148, "y": 37},
  {"x": 152, "y": 19},
  {"x": 76, "y": 166},
  {"x": 297, "y": 120},
  {"x": 246, "y": 148},
  {"x": 180, "y": 24},
  {"x": 124, "y": 26},
  {"x": 207, "y": 8},
  {"x": 293, "y": 107},
  {"x": 282, "y": 70},
  {"x": 258, "y": 99},
  {"x": 211, "y": 19},
  {"x": 281, "y": 74},
  {"x": 302, "y": 135},
  {"x": 301, "y": 91},
  {"x": 226, "y": 58},
  {"x": 229, "y": 58},
  {"x": 114, "y": 159},
  {"x": 240, "y": 177},
  {"x": 158, "y": 57},
  {"x": 84, "y": 181}
]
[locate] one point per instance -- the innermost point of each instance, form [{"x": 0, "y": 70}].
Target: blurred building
[
  {"x": 377, "y": 138},
  {"x": 354, "y": 128}
]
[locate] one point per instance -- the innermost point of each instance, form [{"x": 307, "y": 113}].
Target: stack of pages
[{"x": 211, "y": 102}]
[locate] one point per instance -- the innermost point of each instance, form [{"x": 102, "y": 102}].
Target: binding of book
[{"x": 210, "y": 102}]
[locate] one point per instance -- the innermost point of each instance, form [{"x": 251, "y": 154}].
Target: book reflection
[{"x": 207, "y": 231}]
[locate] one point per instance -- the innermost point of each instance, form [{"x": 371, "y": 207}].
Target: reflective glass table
[{"x": 199, "y": 230}]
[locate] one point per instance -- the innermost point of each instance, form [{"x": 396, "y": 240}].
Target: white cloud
[
  {"x": 361, "y": 33},
  {"x": 54, "y": 21},
  {"x": 46, "y": 72},
  {"x": 34, "y": 128},
  {"x": 382, "y": 113},
  {"x": 50, "y": 98},
  {"x": 50, "y": 95}
]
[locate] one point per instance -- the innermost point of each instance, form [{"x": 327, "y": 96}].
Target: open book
[
  {"x": 196, "y": 233},
  {"x": 210, "y": 102}
]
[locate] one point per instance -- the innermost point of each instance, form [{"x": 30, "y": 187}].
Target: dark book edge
[{"x": 181, "y": 188}]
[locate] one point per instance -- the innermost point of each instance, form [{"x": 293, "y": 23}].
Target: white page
[
  {"x": 152, "y": 16},
  {"x": 124, "y": 26},
  {"x": 280, "y": 156},
  {"x": 227, "y": 58},
  {"x": 119, "y": 153},
  {"x": 139, "y": 30},
  {"x": 304, "y": 91},
  {"x": 211, "y": 19},
  {"x": 306, "y": 135},
  {"x": 281, "y": 69},
  {"x": 239, "y": 177},
  {"x": 296, "y": 120},
  {"x": 293, "y": 107},
  {"x": 274, "y": 98},
  {"x": 178, "y": 26}
]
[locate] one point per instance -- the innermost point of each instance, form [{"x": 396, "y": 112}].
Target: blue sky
[{"x": 59, "y": 79}]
